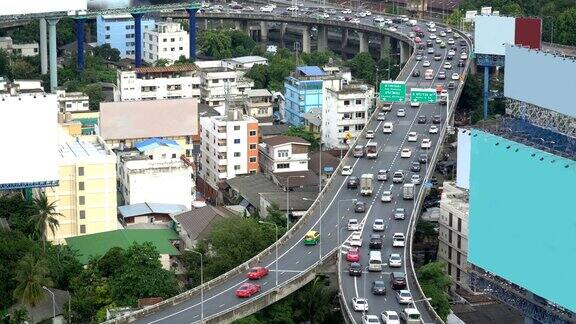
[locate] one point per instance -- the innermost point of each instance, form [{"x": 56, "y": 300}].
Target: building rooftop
[
  {"x": 271, "y": 130},
  {"x": 198, "y": 221},
  {"x": 297, "y": 179},
  {"x": 313, "y": 116},
  {"x": 87, "y": 147},
  {"x": 310, "y": 71},
  {"x": 248, "y": 59},
  {"x": 283, "y": 139},
  {"x": 151, "y": 118},
  {"x": 353, "y": 88},
  {"x": 258, "y": 93},
  {"x": 164, "y": 69},
  {"x": 328, "y": 161},
  {"x": 155, "y": 142},
  {"x": 250, "y": 187},
  {"x": 149, "y": 208},
  {"x": 98, "y": 244},
  {"x": 299, "y": 200}
]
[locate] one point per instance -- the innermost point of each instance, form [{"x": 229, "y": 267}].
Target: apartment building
[
  {"x": 258, "y": 104},
  {"x": 154, "y": 172},
  {"x": 86, "y": 194},
  {"x": 167, "y": 41},
  {"x": 453, "y": 234},
  {"x": 219, "y": 82},
  {"x": 28, "y": 49},
  {"x": 118, "y": 31},
  {"x": 284, "y": 154},
  {"x": 72, "y": 101},
  {"x": 154, "y": 83},
  {"x": 345, "y": 113},
  {"x": 229, "y": 147}
]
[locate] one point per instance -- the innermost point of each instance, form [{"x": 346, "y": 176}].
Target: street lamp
[
  {"x": 419, "y": 300},
  {"x": 53, "y": 302},
  {"x": 288, "y": 200},
  {"x": 338, "y": 214},
  {"x": 201, "y": 285},
  {"x": 276, "y": 247}
]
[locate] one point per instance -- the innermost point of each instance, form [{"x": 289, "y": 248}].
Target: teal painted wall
[{"x": 523, "y": 217}]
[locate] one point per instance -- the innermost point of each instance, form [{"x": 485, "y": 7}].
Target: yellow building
[{"x": 86, "y": 195}]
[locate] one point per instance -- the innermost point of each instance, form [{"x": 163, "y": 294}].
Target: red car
[
  {"x": 246, "y": 290},
  {"x": 417, "y": 40},
  {"x": 256, "y": 273},
  {"x": 353, "y": 255}
]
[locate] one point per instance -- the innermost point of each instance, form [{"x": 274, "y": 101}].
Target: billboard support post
[
  {"x": 43, "y": 48},
  {"x": 138, "y": 38},
  {"x": 486, "y": 91},
  {"x": 192, "y": 32},
  {"x": 52, "y": 45},
  {"x": 79, "y": 25}
]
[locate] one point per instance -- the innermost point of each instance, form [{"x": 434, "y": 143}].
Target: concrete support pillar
[
  {"x": 53, "y": 53},
  {"x": 137, "y": 38},
  {"x": 394, "y": 45},
  {"x": 282, "y": 33},
  {"x": 192, "y": 33},
  {"x": 264, "y": 31},
  {"x": 205, "y": 24},
  {"x": 79, "y": 26},
  {"x": 237, "y": 25},
  {"x": 363, "y": 42},
  {"x": 404, "y": 52},
  {"x": 322, "y": 38},
  {"x": 245, "y": 26},
  {"x": 306, "y": 39},
  {"x": 43, "y": 47},
  {"x": 384, "y": 47},
  {"x": 344, "y": 39}
]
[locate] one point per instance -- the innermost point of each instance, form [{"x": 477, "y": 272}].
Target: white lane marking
[{"x": 356, "y": 286}]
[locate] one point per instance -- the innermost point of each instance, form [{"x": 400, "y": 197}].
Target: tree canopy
[{"x": 435, "y": 283}]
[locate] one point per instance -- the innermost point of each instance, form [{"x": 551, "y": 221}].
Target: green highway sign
[
  {"x": 393, "y": 91},
  {"x": 423, "y": 95}
]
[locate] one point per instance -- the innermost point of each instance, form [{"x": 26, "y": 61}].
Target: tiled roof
[
  {"x": 196, "y": 221},
  {"x": 283, "y": 139},
  {"x": 164, "y": 69}
]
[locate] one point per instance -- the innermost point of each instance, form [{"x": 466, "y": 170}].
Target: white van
[
  {"x": 387, "y": 128},
  {"x": 375, "y": 263},
  {"x": 412, "y": 22},
  {"x": 411, "y": 316}
]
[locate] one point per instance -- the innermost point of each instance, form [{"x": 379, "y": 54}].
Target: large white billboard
[
  {"x": 540, "y": 79},
  {"x": 40, "y": 6},
  {"x": 28, "y": 129},
  {"x": 463, "y": 159},
  {"x": 492, "y": 32}
]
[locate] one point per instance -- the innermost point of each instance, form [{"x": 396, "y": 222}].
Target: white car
[
  {"x": 353, "y": 225},
  {"x": 367, "y": 13},
  {"x": 432, "y": 30},
  {"x": 356, "y": 240},
  {"x": 426, "y": 63},
  {"x": 378, "y": 225},
  {"x": 360, "y": 14},
  {"x": 369, "y": 134},
  {"x": 293, "y": 8},
  {"x": 401, "y": 112},
  {"x": 433, "y": 129},
  {"x": 404, "y": 297},
  {"x": 387, "y": 128},
  {"x": 448, "y": 30},
  {"x": 442, "y": 34},
  {"x": 415, "y": 179},
  {"x": 266, "y": 9},
  {"x": 346, "y": 11},
  {"x": 386, "y": 196},
  {"x": 426, "y": 143},
  {"x": 379, "y": 19},
  {"x": 392, "y": 28},
  {"x": 381, "y": 116},
  {"x": 438, "y": 41},
  {"x": 398, "y": 240},
  {"x": 447, "y": 65},
  {"x": 406, "y": 153},
  {"x": 395, "y": 260},
  {"x": 414, "y": 104},
  {"x": 370, "y": 319},
  {"x": 390, "y": 317},
  {"x": 450, "y": 41},
  {"x": 412, "y": 137},
  {"x": 432, "y": 36},
  {"x": 346, "y": 170},
  {"x": 386, "y": 107},
  {"x": 455, "y": 76},
  {"x": 463, "y": 56},
  {"x": 360, "y": 304}
]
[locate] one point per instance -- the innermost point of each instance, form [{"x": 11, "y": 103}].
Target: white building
[
  {"x": 284, "y": 154},
  {"x": 220, "y": 82},
  {"x": 453, "y": 235},
  {"x": 72, "y": 101},
  {"x": 246, "y": 62},
  {"x": 166, "y": 41},
  {"x": 155, "y": 173},
  {"x": 258, "y": 104},
  {"x": 229, "y": 147},
  {"x": 30, "y": 49},
  {"x": 345, "y": 112},
  {"x": 152, "y": 83}
]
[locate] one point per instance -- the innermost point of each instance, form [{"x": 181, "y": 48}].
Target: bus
[{"x": 375, "y": 263}]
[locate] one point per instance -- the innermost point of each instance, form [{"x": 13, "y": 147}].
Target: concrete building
[
  {"x": 258, "y": 104},
  {"x": 123, "y": 124},
  {"x": 313, "y": 121},
  {"x": 167, "y": 41},
  {"x": 148, "y": 213},
  {"x": 72, "y": 101},
  {"x": 246, "y": 62},
  {"x": 229, "y": 147},
  {"x": 195, "y": 224},
  {"x": 346, "y": 112},
  {"x": 453, "y": 234},
  {"x": 30, "y": 49},
  {"x": 154, "y": 172},
  {"x": 283, "y": 154},
  {"x": 153, "y": 83},
  {"x": 118, "y": 31},
  {"x": 86, "y": 194},
  {"x": 218, "y": 83}
]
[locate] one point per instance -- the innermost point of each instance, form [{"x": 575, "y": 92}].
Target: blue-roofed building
[
  {"x": 149, "y": 213},
  {"x": 153, "y": 143},
  {"x": 118, "y": 31}
]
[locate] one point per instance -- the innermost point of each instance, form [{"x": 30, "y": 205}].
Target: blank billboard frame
[
  {"x": 24, "y": 7},
  {"x": 492, "y": 32}
]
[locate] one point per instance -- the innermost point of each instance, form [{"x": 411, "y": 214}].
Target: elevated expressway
[{"x": 299, "y": 264}]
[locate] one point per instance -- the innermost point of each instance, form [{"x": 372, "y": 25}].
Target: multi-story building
[
  {"x": 219, "y": 83},
  {"x": 154, "y": 172},
  {"x": 29, "y": 49},
  {"x": 118, "y": 31},
  {"x": 453, "y": 234},
  {"x": 258, "y": 104},
  {"x": 152, "y": 83},
  {"x": 167, "y": 41},
  {"x": 72, "y": 101},
  {"x": 284, "y": 154},
  {"x": 86, "y": 194},
  {"x": 123, "y": 124},
  {"x": 229, "y": 148},
  {"x": 345, "y": 113}
]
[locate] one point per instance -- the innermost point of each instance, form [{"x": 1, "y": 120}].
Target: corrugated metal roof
[
  {"x": 310, "y": 71},
  {"x": 149, "y": 208},
  {"x": 171, "y": 68},
  {"x": 155, "y": 142}
]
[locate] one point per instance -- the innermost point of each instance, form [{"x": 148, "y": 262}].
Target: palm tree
[
  {"x": 44, "y": 217},
  {"x": 31, "y": 275},
  {"x": 317, "y": 300}
]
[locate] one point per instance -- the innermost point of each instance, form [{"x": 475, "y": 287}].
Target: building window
[
  {"x": 81, "y": 200},
  {"x": 252, "y": 133},
  {"x": 81, "y": 171},
  {"x": 449, "y": 253},
  {"x": 346, "y": 102},
  {"x": 459, "y": 224},
  {"x": 359, "y": 127},
  {"x": 457, "y": 274},
  {"x": 107, "y": 28},
  {"x": 164, "y": 40},
  {"x": 107, "y": 37},
  {"x": 236, "y": 167},
  {"x": 173, "y": 155},
  {"x": 82, "y": 214},
  {"x": 252, "y": 159},
  {"x": 450, "y": 237},
  {"x": 283, "y": 166},
  {"x": 236, "y": 127},
  {"x": 81, "y": 185},
  {"x": 358, "y": 101},
  {"x": 459, "y": 242},
  {"x": 450, "y": 216},
  {"x": 347, "y": 116},
  {"x": 458, "y": 257},
  {"x": 82, "y": 229},
  {"x": 252, "y": 146},
  {"x": 236, "y": 154},
  {"x": 449, "y": 269},
  {"x": 236, "y": 141},
  {"x": 360, "y": 115},
  {"x": 172, "y": 39},
  {"x": 283, "y": 153}
]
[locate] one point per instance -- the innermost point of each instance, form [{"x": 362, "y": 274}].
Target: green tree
[
  {"x": 18, "y": 211},
  {"x": 19, "y": 316},
  {"x": 566, "y": 25},
  {"x": 90, "y": 293},
  {"x": 62, "y": 265},
  {"x": 280, "y": 66},
  {"x": 363, "y": 67},
  {"x": 259, "y": 73},
  {"x": 216, "y": 44},
  {"x": 315, "y": 301},
  {"x": 161, "y": 62},
  {"x": 307, "y": 135},
  {"x": 317, "y": 58},
  {"x": 107, "y": 53},
  {"x": 95, "y": 95},
  {"x": 455, "y": 18},
  {"x": 31, "y": 275},
  {"x": 512, "y": 9},
  {"x": 241, "y": 43},
  {"x": 276, "y": 216},
  {"x": 435, "y": 283},
  {"x": 22, "y": 69},
  {"x": 182, "y": 60},
  {"x": 5, "y": 70},
  {"x": 45, "y": 217}
]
